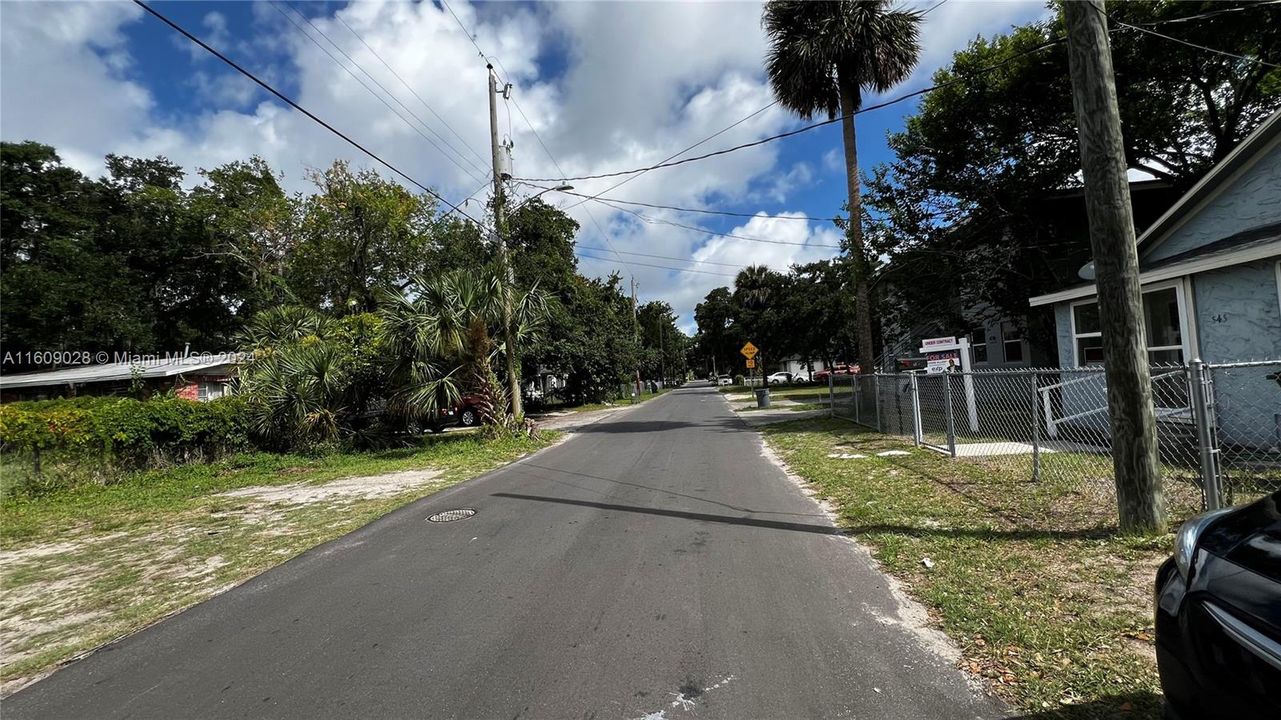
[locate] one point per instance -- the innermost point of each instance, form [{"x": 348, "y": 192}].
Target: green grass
[
  {"x": 794, "y": 407},
  {"x": 86, "y": 565},
  {"x": 1047, "y": 601}
]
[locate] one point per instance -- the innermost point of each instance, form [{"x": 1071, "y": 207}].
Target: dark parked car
[{"x": 1218, "y": 615}]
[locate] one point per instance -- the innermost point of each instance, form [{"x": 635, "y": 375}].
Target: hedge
[{"x": 123, "y": 431}]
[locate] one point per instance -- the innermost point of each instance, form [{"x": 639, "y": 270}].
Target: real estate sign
[{"x": 948, "y": 354}]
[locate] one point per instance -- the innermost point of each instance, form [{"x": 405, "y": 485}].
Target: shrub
[
  {"x": 738, "y": 380},
  {"x": 112, "y": 433}
]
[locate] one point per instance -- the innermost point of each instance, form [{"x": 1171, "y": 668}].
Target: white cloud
[{"x": 640, "y": 82}]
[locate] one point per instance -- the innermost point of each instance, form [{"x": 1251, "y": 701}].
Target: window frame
[
  {"x": 981, "y": 332},
  {"x": 1185, "y": 336},
  {"x": 1005, "y": 342}
]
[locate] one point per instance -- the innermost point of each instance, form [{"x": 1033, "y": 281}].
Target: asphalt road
[{"x": 653, "y": 566}]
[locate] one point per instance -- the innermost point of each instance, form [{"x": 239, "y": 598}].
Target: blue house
[{"x": 1210, "y": 269}]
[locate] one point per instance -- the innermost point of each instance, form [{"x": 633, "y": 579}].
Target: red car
[
  {"x": 821, "y": 375},
  {"x": 463, "y": 412}
]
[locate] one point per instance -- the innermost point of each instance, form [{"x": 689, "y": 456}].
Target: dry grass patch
[{"x": 83, "y": 567}]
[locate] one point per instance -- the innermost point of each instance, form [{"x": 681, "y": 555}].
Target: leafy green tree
[
  {"x": 823, "y": 56},
  {"x": 360, "y": 232},
  {"x": 720, "y": 334},
  {"x": 964, "y": 208},
  {"x": 662, "y": 344},
  {"x": 251, "y": 222},
  {"x": 58, "y": 289}
]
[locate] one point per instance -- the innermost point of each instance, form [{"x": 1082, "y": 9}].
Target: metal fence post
[
  {"x": 876, "y": 393},
  {"x": 1036, "y": 428},
  {"x": 1200, "y": 386},
  {"x": 856, "y": 392},
  {"x": 947, "y": 412},
  {"x": 917, "y": 432},
  {"x": 831, "y": 394}
]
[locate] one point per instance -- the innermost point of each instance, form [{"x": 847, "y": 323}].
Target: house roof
[
  {"x": 1237, "y": 161},
  {"x": 115, "y": 372},
  {"x": 1246, "y": 246}
]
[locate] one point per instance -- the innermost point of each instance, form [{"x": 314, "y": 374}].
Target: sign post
[
  {"x": 948, "y": 354},
  {"x": 750, "y": 351}
]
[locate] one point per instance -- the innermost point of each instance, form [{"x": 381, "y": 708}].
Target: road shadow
[
  {"x": 665, "y": 491},
  {"x": 1130, "y": 706},
  {"x": 701, "y": 517},
  {"x": 605, "y": 425}
]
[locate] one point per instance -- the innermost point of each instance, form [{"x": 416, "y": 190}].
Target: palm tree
[
  {"x": 822, "y": 56},
  {"x": 453, "y": 320},
  {"x": 752, "y": 287}
]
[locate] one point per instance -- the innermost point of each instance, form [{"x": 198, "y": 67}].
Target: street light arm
[{"x": 559, "y": 188}]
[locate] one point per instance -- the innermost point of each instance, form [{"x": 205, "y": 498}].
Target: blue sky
[{"x": 607, "y": 86}]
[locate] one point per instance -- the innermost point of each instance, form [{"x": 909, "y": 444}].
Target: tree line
[{"x": 141, "y": 260}]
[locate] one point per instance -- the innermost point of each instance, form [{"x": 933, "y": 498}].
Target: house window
[
  {"x": 1087, "y": 334},
  {"x": 1012, "y": 342},
  {"x": 209, "y": 391},
  {"x": 978, "y": 345},
  {"x": 1162, "y": 325}
]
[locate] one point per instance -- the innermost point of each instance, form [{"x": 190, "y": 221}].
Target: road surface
[{"x": 654, "y": 566}]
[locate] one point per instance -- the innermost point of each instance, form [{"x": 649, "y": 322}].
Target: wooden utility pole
[
  {"x": 636, "y": 338},
  {"x": 1116, "y": 269},
  {"x": 500, "y": 238}
]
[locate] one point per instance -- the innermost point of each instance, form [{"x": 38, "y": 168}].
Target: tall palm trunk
[{"x": 862, "y": 306}]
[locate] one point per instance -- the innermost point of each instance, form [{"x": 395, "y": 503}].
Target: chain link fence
[{"x": 1218, "y": 426}]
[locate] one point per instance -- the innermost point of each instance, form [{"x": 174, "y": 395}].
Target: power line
[
  {"x": 663, "y": 267},
  {"x": 812, "y": 126},
  {"x": 1244, "y": 58},
  {"x": 473, "y": 194},
  {"x": 1211, "y": 13},
  {"x": 465, "y": 30},
  {"x": 714, "y": 135},
  {"x": 701, "y": 211},
  {"x": 287, "y": 100},
  {"x": 667, "y": 257},
  {"x": 443, "y": 121},
  {"x": 340, "y": 64},
  {"x": 705, "y": 231},
  {"x": 933, "y": 8},
  {"x": 552, "y": 158}
]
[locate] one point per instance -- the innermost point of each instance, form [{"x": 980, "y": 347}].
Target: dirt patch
[
  {"x": 377, "y": 486},
  {"x": 67, "y": 593}
]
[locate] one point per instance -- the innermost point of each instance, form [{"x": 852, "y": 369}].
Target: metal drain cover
[{"x": 452, "y": 515}]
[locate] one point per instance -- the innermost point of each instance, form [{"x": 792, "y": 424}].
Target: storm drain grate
[{"x": 452, "y": 515}]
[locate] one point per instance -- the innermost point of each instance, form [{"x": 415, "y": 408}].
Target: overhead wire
[
  {"x": 668, "y": 257},
  {"x": 661, "y": 221},
  {"x": 1149, "y": 31},
  {"x": 410, "y": 88},
  {"x": 412, "y": 114},
  {"x": 663, "y": 267},
  {"x": 806, "y": 128},
  {"x": 1212, "y": 13},
  {"x": 507, "y": 80},
  {"x": 709, "y": 138},
  {"x": 293, "y": 104}
]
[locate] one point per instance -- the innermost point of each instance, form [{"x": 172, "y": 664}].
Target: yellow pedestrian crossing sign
[{"x": 749, "y": 351}]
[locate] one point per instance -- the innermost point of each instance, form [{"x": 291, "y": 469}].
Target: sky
[{"x": 597, "y": 87}]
